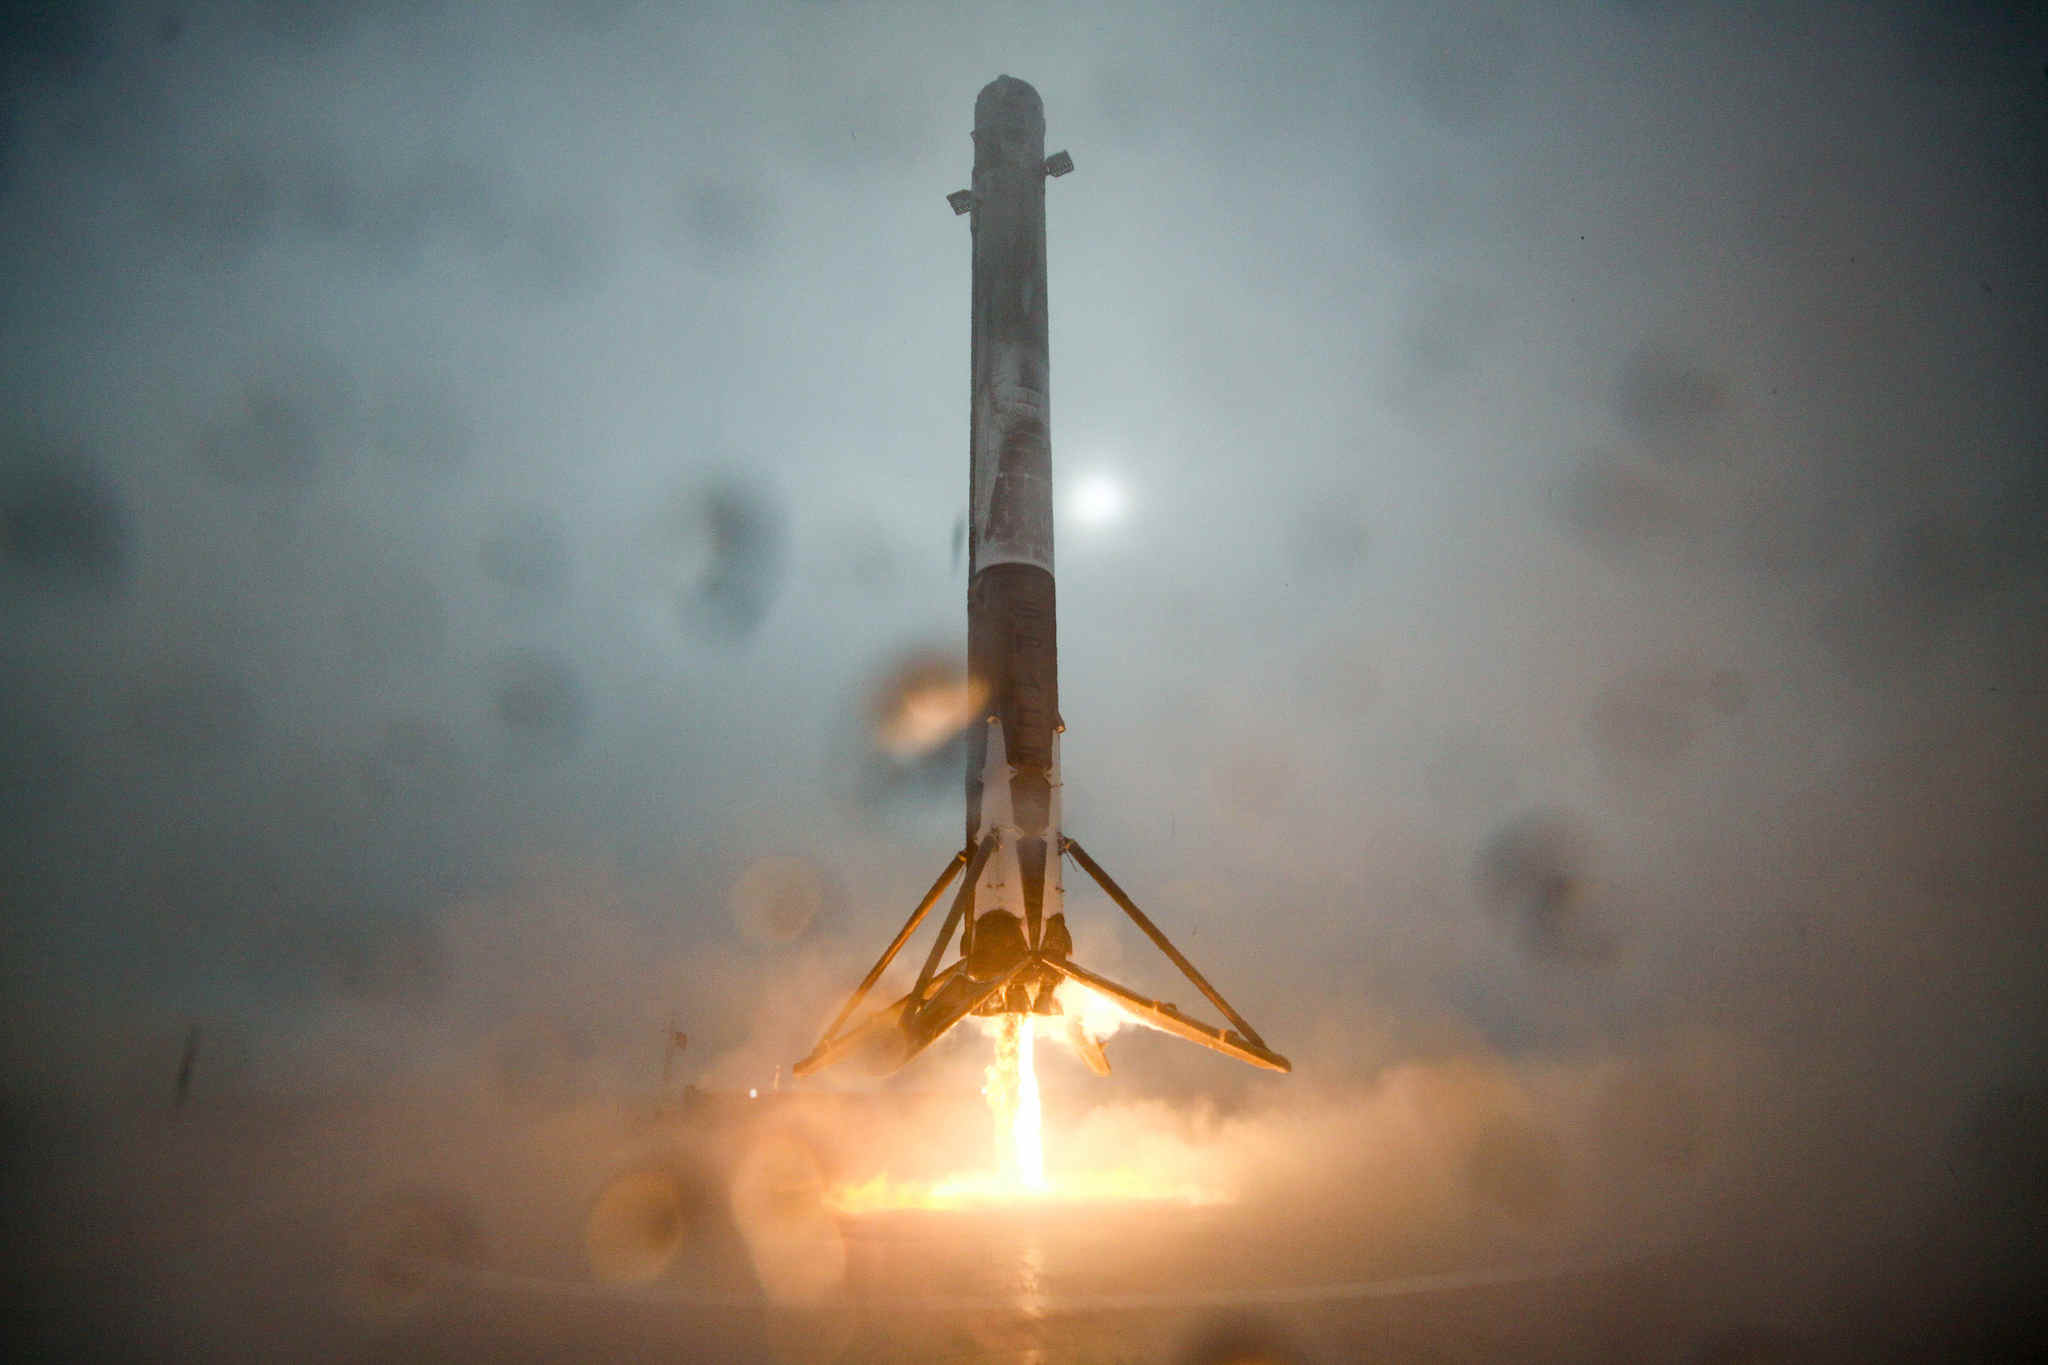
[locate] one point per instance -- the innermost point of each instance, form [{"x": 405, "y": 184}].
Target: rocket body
[
  {"x": 1012, "y": 639},
  {"x": 1009, "y": 909}
]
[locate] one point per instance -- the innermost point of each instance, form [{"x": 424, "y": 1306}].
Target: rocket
[{"x": 1014, "y": 950}]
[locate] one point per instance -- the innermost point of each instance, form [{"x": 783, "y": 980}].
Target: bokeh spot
[
  {"x": 722, "y": 553},
  {"x": 1532, "y": 874},
  {"x": 61, "y": 522},
  {"x": 540, "y": 703},
  {"x": 777, "y": 899}
]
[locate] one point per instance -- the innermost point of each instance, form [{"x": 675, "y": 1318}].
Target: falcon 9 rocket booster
[{"x": 1014, "y": 947}]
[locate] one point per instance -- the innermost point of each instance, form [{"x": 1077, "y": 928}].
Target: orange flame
[{"x": 1011, "y": 1088}]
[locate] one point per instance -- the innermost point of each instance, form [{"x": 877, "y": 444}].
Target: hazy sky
[{"x": 469, "y": 473}]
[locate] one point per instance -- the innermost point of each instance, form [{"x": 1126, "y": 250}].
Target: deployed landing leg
[
  {"x": 886, "y": 1034},
  {"x": 1244, "y": 1043},
  {"x": 890, "y": 1035}
]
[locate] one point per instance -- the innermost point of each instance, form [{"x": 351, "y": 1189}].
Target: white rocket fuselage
[{"x": 1012, "y": 638}]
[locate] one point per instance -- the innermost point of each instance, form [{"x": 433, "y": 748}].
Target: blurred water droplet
[
  {"x": 274, "y": 434},
  {"x": 1613, "y": 509},
  {"x": 778, "y": 1202},
  {"x": 924, "y": 700},
  {"x": 637, "y": 1225},
  {"x": 726, "y": 219},
  {"x": 722, "y": 554},
  {"x": 365, "y": 947},
  {"x": 1658, "y": 396},
  {"x": 61, "y": 522},
  {"x": 778, "y": 899},
  {"x": 540, "y": 703},
  {"x": 1531, "y": 873},
  {"x": 395, "y": 1246},
  {"x": 528, "y": 557}
]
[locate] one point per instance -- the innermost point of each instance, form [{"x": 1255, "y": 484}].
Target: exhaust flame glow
[
  {"x": 1010, "y": 1085},
  {"x": 1030, "y": 1119},
  {"x": 1011, "y": 1088},
  {"x": 1100, "y": 1017}
]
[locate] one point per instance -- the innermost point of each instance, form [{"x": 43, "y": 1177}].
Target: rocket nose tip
[{"x": 1007, "y": 92}]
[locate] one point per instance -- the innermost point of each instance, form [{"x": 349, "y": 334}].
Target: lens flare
[
  {"x": 1098, "y": 500},
  {"x": 923, "y": 704}
]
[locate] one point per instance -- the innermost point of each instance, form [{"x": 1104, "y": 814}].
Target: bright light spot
[
  {"x": 985, "y": 1189},
  {"x": 1099, "y": 500},
  {"x": 927, "y": 703},
  {"x": 1026, "y": 1132},
  {"x": 1019, "y": 1175},
  {"x": 1100, "y": 1016},
  {"x": 1011, "y": 1088},
  {"x": 753, "y": 1094}
]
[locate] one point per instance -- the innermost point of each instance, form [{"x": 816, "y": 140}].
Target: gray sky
[{"x": 468, "y": 472}]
